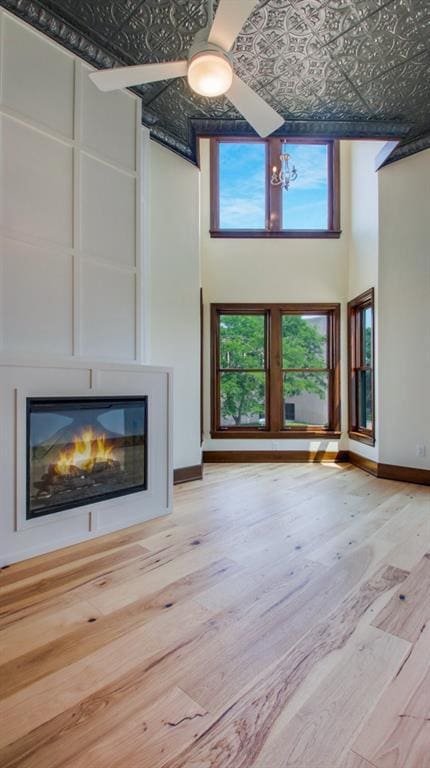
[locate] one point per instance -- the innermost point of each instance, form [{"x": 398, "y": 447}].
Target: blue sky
[{"x": 242, "y": 180}]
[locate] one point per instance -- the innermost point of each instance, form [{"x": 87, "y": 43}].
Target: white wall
[
  {"x": 282, "y": 270},
  {"x": 70, "y": 275},
  {"x": 363, "y": 268},
  {"x": 69, "y": 216},
  {"x": 175, "y": 291},
  {"x": 404, "y": 311},
  {"x": 363, "y": 252}
]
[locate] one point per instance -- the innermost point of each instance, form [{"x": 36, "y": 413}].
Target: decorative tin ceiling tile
[
  {"x": 338, "y": 96},
  {"x": 348, "y": 107},
  {"x": 396, "y": 32},
  {"x": 384, "y": 40},
  {"x": 292, "y": 97},
  {"x": 326, "y": 21},
  {"x": 338, "y": 63},
  {"x": 401, "y": 92},
  {"x": 101, "y": 18},
  {"x": 161, "y": 30}
]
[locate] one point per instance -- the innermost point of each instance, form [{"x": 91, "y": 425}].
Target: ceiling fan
[{"x": 209, "y": 67}]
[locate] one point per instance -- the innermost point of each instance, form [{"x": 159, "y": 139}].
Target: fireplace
[{"x": 84, "y": 449}]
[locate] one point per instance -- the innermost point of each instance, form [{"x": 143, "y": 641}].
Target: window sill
[
  {"x": 260, "y": 434},
  {"x": 300, "y": 234},
  {"x": 361, "y": 437}
]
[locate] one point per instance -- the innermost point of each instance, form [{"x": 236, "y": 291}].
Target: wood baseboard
[
  {"x": 405, "y": 474},
  {"x": 391, "y": 471},
  {"x": 384, "y": 471},
  {"x": 187, "y": 474},
  {"x": 274, "y": 457},
  {"x": 368, "y": 465}
]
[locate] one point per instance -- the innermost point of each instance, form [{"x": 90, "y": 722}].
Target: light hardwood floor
[{"x": 280, "y": 618}]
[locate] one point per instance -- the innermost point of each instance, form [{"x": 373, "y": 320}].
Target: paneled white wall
[{"x": 70, "y": 206}]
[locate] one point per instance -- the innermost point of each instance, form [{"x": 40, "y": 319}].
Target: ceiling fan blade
[
  {"x": 255, "y": 110},
  {"x": 124, "y": 77},
  {"x": 229, "y": 19}
]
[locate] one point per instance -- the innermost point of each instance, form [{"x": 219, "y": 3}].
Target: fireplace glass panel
[{"x": 82, "y": 450}]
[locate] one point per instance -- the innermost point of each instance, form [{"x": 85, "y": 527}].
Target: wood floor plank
[
  {"x": 131, "y": 690},
  {"x": 153, "y": 735},
  {"x": 13, "y": 600},
  {"x": 158, "y": 571},
  {"x": 269, "y": 630},
  {"x": 26, "y": 569},
  {"x": 406, "y": 747},
  {"x": 116, "y": 669},
  {"x": 360, "y": 529},
  {"x": 63, "y": 651},
  {"x": 321, "y": 732},
  {"x": 353, "y": 760},
  {"x": 413, "y": 544},
  {"x": 314, "y": 522},
  {"x": 43, "y": 627},
  {"x": 248, "y": 588},
  {"x": 278, "y": 618},
  {"x": 397, "y": 731},
  {"x": 408, "y": 611},
  {"x": 234, "y": 620},
  {"x": 238, "y": 736}
]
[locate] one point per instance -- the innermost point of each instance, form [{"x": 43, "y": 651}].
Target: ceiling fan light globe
[{"x": 210, "y": 74}]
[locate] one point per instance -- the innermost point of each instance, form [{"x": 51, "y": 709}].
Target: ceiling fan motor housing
[{"x": 210, "y": 69}]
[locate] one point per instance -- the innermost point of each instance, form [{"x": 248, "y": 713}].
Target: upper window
[
  {"x": 275, "y": 370},
  {"x": 245, "y": 203},
  {"x": 361, "y": 368}
]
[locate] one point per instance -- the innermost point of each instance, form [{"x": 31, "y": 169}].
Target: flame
[{"x": 88, "y": 448}]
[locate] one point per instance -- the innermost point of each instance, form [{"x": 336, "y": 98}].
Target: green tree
[
  {"x": 242, "y": 341},
  {"x": 242, "y": 346},
  {"x": 303, "y": 346}
]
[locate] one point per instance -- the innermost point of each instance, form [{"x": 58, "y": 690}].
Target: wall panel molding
[{"x": 54, "y": 201}]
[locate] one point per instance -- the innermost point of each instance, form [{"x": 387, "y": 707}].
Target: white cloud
[
  {"x": 242, "y": 213},
  {"x": 311, "y": 165}
]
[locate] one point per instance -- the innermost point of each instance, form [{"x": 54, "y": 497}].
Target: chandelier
[{"x": 286, "y": 174}]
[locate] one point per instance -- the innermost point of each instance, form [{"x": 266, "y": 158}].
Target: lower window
[
  {"x": 275, "y": 370},
  {"x": 361, "y": 399}
]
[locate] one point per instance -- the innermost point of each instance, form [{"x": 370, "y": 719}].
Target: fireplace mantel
[{"x": 20, "y": 381}]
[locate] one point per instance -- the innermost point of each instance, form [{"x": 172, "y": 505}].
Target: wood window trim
[
  {"x": 355, "y": 307},
  {"x": 273, "y": 195},
  {"x": 273, "y": 369}
]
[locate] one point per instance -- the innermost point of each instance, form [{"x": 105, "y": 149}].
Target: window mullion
[
  {"x": 275, "y": 368},
  {"x": 274, "y": 193}
]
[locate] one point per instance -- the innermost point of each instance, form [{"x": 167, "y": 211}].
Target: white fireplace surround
[{"x": 21, "y": 538}]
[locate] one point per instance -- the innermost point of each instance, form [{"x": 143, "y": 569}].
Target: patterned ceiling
[{"x": 351, "y": 68}]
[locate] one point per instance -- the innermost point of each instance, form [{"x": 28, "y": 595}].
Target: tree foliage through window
[{"x": 242, "y": 347}]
